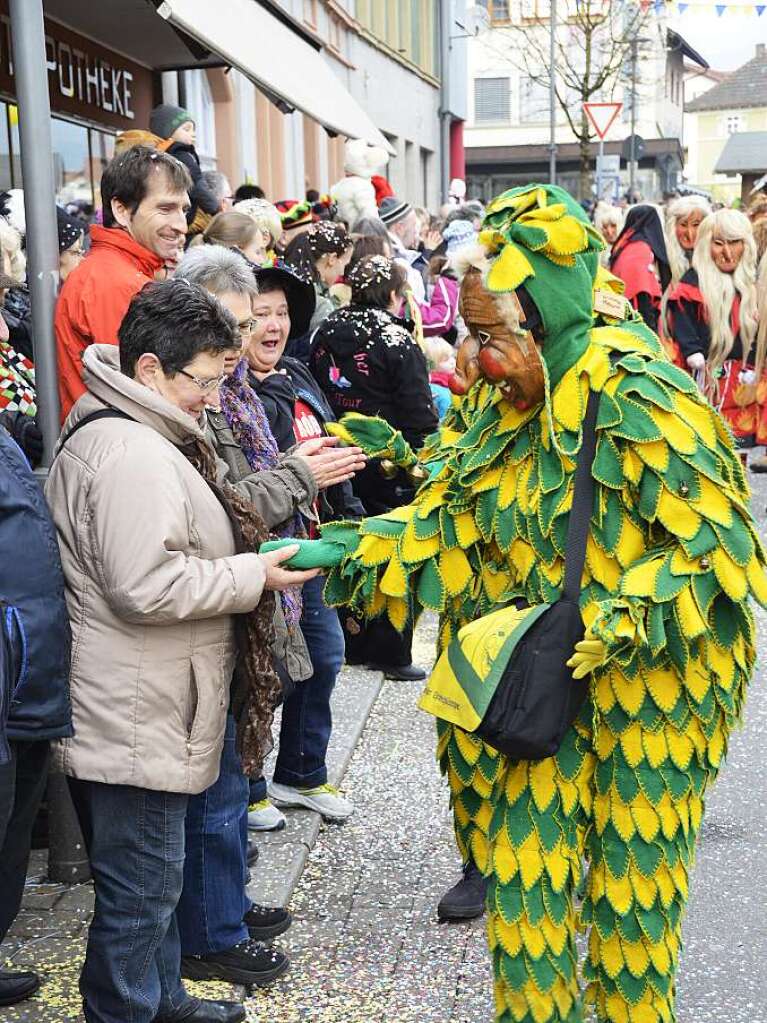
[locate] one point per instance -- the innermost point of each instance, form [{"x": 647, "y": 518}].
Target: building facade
[
  {"x": 734, "y": 105},
  {"x": 508, "y": 127}
]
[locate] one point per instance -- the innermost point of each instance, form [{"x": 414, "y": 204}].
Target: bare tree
[{"x": 594, "y": 46}]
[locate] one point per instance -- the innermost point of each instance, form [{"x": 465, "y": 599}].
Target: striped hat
[{"x": 393, "y": 210}]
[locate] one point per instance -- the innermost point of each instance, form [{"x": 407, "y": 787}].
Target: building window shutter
[{"x": 491, "y": 100}]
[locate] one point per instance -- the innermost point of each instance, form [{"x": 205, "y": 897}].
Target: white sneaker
[
  {"x": 263, "y": 816},
  {"x": 325, "y": 799}
]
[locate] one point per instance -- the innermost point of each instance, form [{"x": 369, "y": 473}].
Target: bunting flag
[{"x": 747, "y": 9}]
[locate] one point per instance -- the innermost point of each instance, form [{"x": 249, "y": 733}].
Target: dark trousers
[
  {"x": 135, "y": 841},
  {"x": 376, "y": 642},
  {"x": 213, "y": 901},
  {"x": 306, "y": 718},
  {"x": 22, "y": 784}
]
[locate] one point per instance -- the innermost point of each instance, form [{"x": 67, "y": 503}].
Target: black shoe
[
  {"x": 400, "y": 672},
  {"x": 252, "y": 853},
  {"x": 465, "y": 900},
  {"x": 248, "y": 963},
  {"x": 209, "y": 1012},
  {"x": 266, "y": 922},
  {"x": 15, "y": 987}
]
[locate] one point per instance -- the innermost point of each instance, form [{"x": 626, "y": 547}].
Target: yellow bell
[{"x": 388, "y": 469}]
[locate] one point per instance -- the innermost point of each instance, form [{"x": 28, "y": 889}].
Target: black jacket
[
  {"x": 35, "y": 638},
  {"x": 366, "y": 361},
  {"x": 279, "y": 392},
  {"x": 201, "y": 196}
]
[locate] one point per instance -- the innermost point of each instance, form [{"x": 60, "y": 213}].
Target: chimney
[{"x": 760, "y": 51}]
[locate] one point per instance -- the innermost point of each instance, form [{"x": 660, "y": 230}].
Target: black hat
[
  {"x": 69, "y": 229},
  {"x": 299, "y": 292}
]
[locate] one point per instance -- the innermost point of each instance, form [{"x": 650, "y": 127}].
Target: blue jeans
[
  {"x": 135, "y": 841},
  {"x": 213, "y": 901},
  {"x": 306, "y": 718}
]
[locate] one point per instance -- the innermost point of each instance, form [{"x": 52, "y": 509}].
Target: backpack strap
[
  {"x": 103, "y": 413},
  {"x": 583, "y": 499}
]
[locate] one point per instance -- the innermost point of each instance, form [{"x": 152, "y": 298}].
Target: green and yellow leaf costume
[{"x": 672, "y": 560}]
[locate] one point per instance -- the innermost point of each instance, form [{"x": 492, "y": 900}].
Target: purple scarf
[{"x": 244, "y": 412}]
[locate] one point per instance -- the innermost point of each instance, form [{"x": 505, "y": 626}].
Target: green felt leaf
[
  {"x": 424, "y": 528},
  {"x": 668, "y": 585},
  {"x": 534, "y": 905},
  {"x": 632, "y": 988},
  {"x": 626, "y": 782},
  {"x": 680, "y": 479},
  {"x": 659, "y": 982},
  {"x": 617, "y": 719},
  {"x": 430, "y": 590},
  {"x": 736, "y": 540},
  {"x": 705, "y": 587},
  {"x": 647, "y": 856},
  {"x": 675, "y": 376},
  {"x": 471, "y": 801},
  {"x": 636, "y": 424},
  {"x": 569, "y": 757},
  {"x": 548, "y": 506},
  {"x": 514, "y": 971},
  {"x": 550, "y": 469},
  {"x": 544, "y": 974},
  {"x": 724, "y": 620},
  {"x": 546, "y": 827},
  {"x": 656, "y": 630},
  {"x": 604, "y": 918},
  {"x": 704, "y": 461},
  {"x": 521, "y": 448},
  {"x": 518, "y": 825},
  {"x": 651, "y": 390},
  {"x": 490, "y": 449},
  {"x": 608, "y": 465},
  {"x": 649, "y": 715},
  {"x": 649, "y": 494},
  {"x": 609, "y": 412},
  {"x": 508, "y": 899},
  {"x": 677, "y": 782},
  {"x": 603, "y": 776},
  {"x": 676, "y": 645},
  {"x": 632, "y": 363},
  {"x": 544, "y": 548},
  {"x": 505, "y": 528},
  {"x": 608, "y": 534},
  {"x": 652, "y": 922},
  {"x": 615, "y": 852},
  {"x": 557, "y": 903},
  {"x": 629, "y": 928},
  {"x": 705, "y": 540},
  {"x": 487, "y": 503},
  {"x": 336, "y": 590},
  {"x": 380, "y": 527},
  {"x": 447, "y": 529}
]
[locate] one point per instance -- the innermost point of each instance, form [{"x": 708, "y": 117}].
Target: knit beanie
[
  {"x": 70, "y": 229},
  {"x": 458, "y": 233},
  {"x": 164, "y": 119},
  {"x": 392, "y": 210}
]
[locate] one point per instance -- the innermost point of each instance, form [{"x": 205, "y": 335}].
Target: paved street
[{"x": 365, "y": 944}]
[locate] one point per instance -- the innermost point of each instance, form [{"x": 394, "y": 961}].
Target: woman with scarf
[
  {"x": 171, "y": 626},
  {"x": 714, "y": 313},
  {"x": 222, "y": 930},
  {"x": 683, "y": 219},
  {"x": 639, "y": 258}
]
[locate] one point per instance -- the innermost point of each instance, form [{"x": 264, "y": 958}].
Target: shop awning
[{"x": 246, "y": 36}]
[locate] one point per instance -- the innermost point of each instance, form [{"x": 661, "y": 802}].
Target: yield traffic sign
[{"x": 602, "y": 116}]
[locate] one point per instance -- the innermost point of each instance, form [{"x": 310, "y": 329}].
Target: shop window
[
  {"x": 500, "y": 10},
  {"x": 491, "y": 100},
  {"x": 734, "y": 124},
  {"x": 6, "y": 178},
  {"x": 102, "y": 151},
  {"x": 199, "y": 99},
  {"x": 71, "y": 163}
]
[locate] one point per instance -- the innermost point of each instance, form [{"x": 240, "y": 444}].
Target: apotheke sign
[{"x": 84, "y": 78}]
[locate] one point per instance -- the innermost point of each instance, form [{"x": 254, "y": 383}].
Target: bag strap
[
  {"x": 583, "y": 498},
  {"x": 103, "y": 413}
]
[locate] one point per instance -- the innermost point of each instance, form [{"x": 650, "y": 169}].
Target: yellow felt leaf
[
  {"x": 637, "y": 959},
  {"x": 568, "y": 402},
  {"x": 377, "y": 603},
  {"x": 692, "y": 622},
  {"x": 654, "y": 454},
  {"x": 619, "y": 893},
  {"x": 666, "y": 886},
  {"x": 731, "y": 577},
  {"x": 716, "y": 748},
  {"x": 466, "y": 529},
  {"x": 645, "y": 889},
  {"x": 664, "y": 687},
  {"x": 558, "y": 868},
  {"x": 631, "y": 544},
  {"x": 530, "y": 866},
  {"x": 469, "y": 746},
  {"x": 604, "y": 570},
  {"x": 632, "y": 466},
  {"x": 622, "y": 820},
  {"x": 678, "y": 516},
  {"x": 394, "y": 581},
  {"x": 413, "y": 551},
  {"x": 714, "y": 504},
  {"x": 490, "y": 479},
  {"x": 374, "y": 550},
  {"x": 505, "y": 863},
  {"x": 430, "y": 498},
  {"x": 396, "y": 609},
  {"x": 509, "y": 270},
  {"x": 757, "y": 580},
  {"x": 646, "y": 820},
  {"x": 682, "y": 565},
  {"x": 721, "y": 662},
  {"x": 698, "y": 416},
  {"x": 507, "y": 936},
  {"x": 655, "y": 748},
  {"x": 516, "y": 782},
  {"x": 680, "y": 436},
  {"x": 596, "y": 365},
  {"x": 507, "y": 488},
  {"x": 455, "y": 570},
  {"x": 542, "y": 780},
  {"x": 631, "y": 744},
  {"x": 630, "y": 695},
  {"x": 523, "y": 486},
  {"x": 660, "y": 957},
  {"x": 639, "y": 580},
  {"x": 532, "y": 939},
  {"x": 669, "y": 818},
  {"x": 618, "y": 1010}
]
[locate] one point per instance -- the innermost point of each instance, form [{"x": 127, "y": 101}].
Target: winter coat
[
  {"x": 200, "y": 195},
  {"x": 277, "y": 495},
  {"x": 93, "y": 301},
  {"x": 366, "y": 361},
  {"x": 152, "y": 583},
  {"x": 439, "y": 313},
  {"x": 17, "y": 313},
  {"x": 279, "y": 392},
  {"x": 34, "y": 633}
]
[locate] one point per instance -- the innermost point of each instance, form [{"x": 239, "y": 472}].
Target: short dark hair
[
  {"x": 373, "y": 279},
  {"x": 312, "y": 195},
  {"x": 248, "y": 192},
  {"x": 175, "y": 321},
  {"x": 126, "y": 178}
]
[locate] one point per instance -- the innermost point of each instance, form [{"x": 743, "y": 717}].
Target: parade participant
[
  {"x": 365, "y": 361},
  {"x": 683, "y": 219},
  {"x": 672, "y": 555},
  {"x": 639, "y": 258},
  {"x": 158, "y": 561},
  {"x": 144, "y": 196},
  {"x": 220, "y": 927},
  {"x": 322, "y": 253},
  {"x": 297, "y": 411},
  {"x": 713, "y": 310}
]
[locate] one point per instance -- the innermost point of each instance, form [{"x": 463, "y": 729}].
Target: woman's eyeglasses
[{"x": 205, "y": 386}]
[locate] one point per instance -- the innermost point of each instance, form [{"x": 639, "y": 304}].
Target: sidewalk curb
[{"x": 283, "y": 854}]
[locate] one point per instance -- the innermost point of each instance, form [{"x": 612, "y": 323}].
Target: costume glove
[
  {"x": 696, "y": 361},
  {"x": 310, "y": 553},
  {"x": 375, "y": 436},
  {"x": 589, "y": 654}
]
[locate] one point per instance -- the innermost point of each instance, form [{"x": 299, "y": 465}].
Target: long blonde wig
[
  {"x": 678, "y": 259},
  {"x": 14, "y": 261},
  {"x": 719, "y": 289}
]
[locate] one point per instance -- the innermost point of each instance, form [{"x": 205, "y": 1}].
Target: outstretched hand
[{"x": 328, "y": 463}]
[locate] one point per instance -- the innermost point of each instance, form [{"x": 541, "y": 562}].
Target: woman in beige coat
[{"x": 155, "y": 585}]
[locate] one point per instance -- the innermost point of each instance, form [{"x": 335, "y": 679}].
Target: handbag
[{"x": 504, "y": 677}]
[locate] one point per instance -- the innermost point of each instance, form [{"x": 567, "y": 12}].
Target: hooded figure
[
  {"x": 672, "y": 556},
  {"x": 639, "y": 258}
]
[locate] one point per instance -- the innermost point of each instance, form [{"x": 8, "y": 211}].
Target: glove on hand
[
  {"x": 589, "y": 654},
  {"x": 375, "y": 436},
  {"x": 696, "y": 361}
]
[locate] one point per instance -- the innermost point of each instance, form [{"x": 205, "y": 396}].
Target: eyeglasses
[{"x": 206, "y": 386}]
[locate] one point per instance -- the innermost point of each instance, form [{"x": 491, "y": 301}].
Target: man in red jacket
[{"x": 145, "y": 198}]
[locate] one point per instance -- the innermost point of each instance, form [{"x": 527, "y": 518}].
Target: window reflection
[
  {"x": 6, "y": 180},
  {"x": 102, "y": 151},
  {"x": 71, "y": 163}
]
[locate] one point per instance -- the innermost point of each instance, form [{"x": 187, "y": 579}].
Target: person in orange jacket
[{"x": 145, "y": 198}]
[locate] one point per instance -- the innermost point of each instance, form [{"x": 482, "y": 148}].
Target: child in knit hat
[{"x": 176, "y": 127}]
